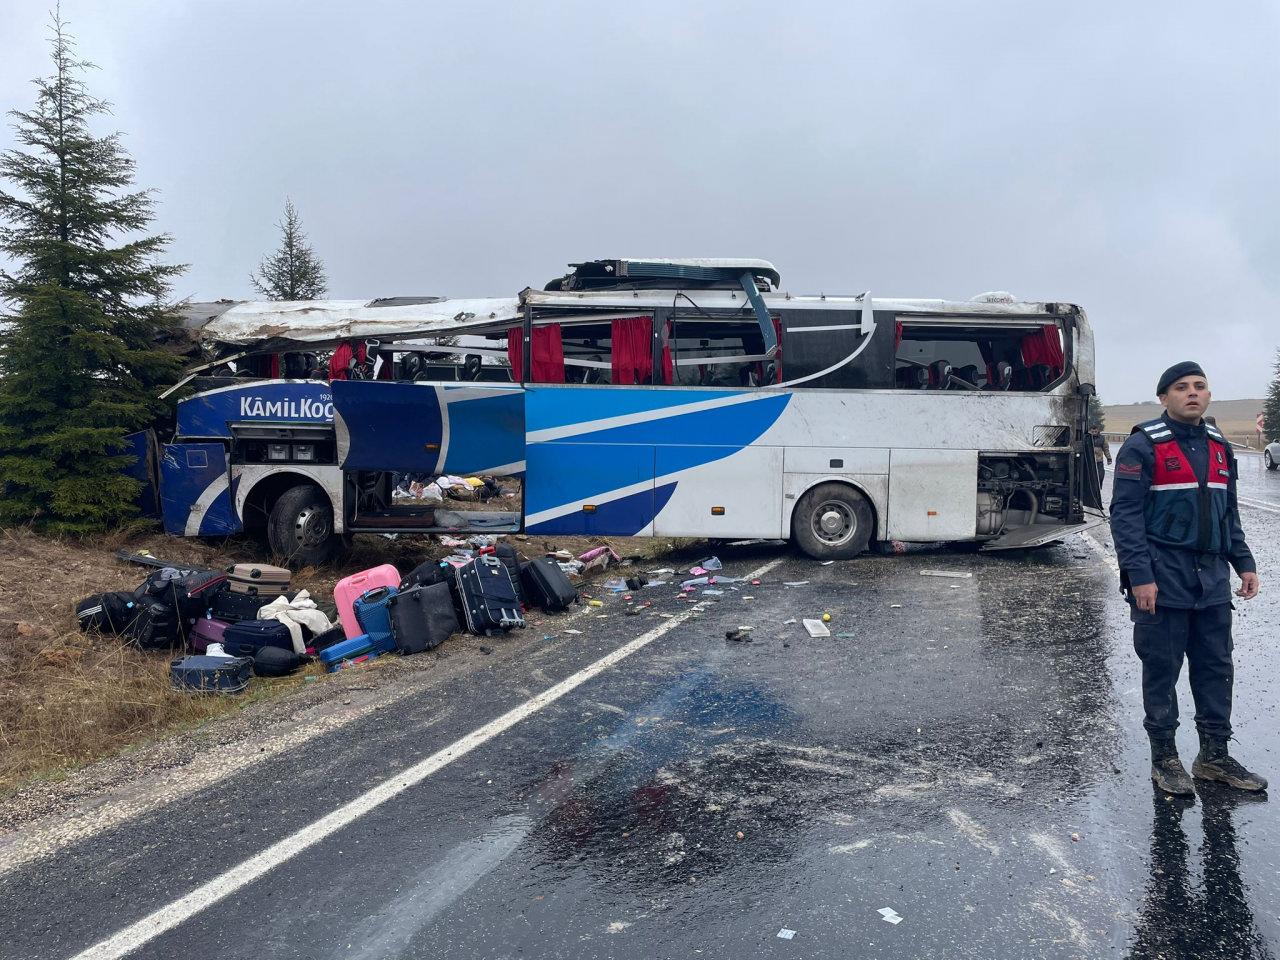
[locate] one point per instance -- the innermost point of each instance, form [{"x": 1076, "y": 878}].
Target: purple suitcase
[{"x": 207, "y": 631}]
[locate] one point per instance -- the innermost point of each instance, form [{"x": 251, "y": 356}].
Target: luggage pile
[
  {"x": 236, "y": 623},
  {"x": 484, "y": 592},
  {"x": 243, "y": 622}
]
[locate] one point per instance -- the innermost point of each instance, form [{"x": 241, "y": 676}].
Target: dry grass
[{"x": 68, "y": 698}]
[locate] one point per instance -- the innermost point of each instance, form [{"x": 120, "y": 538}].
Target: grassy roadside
[{"x": 69, "y": 698}]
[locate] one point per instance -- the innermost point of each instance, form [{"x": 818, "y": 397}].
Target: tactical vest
[{"x": 1180, "y": 510}]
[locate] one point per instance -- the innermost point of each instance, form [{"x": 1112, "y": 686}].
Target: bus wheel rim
[
  {"x": 312, "y": 527},
  {"x": 834, "y": 522}
]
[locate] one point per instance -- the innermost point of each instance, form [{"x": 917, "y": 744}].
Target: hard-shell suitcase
[
  {"x": 243, "y": 639},
  {"x": 546, "y": 585},
  {"x": 234, "y": 607},
  {"x": 261, "y": 579},
  {"x": 423, "y": 617},
  {"x": 211, "y": 674},
  {"x": 325, "y": 640},
  {"x": 205, "y": 632},
  {"x": 488, "y": 596},
  {"x": 107, "y": 612},
  {"x": 350, "y": 588},
  {"x": 274, "y": 662},
  {"x": 354, "y": 648},
  {"x": 373, "y": 610}
]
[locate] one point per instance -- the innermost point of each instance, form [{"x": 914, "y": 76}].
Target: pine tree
[
  {"x": 293, "y": 272},
  {"x": 1271, "y": 408},
  {"x": 1097, "y": 416},
  {"x": 79, "y": 366}
]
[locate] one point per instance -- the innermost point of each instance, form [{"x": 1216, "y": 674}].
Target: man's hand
[
  {"x": 1145, "y": 596},
  {"x": 1248, "y": 586}
]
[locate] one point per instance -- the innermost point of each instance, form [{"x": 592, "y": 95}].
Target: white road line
[
  {"x": 1107, "y": 556},
  {"x": 1266, "y": 505},
  {"x": 206, "y": 895}
]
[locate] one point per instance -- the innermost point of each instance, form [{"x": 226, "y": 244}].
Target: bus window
[
  {"x": 708, "y": 352},
  {"x": 959, "y": 356}
]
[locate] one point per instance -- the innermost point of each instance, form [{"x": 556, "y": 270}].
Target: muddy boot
[
  {"x": 1215, "y": 763},
  {"x": 1167, "y": 770}
]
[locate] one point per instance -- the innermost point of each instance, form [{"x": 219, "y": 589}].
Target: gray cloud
[{"x": 1121, "y": 156}]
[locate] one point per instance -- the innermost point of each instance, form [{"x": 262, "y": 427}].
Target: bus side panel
[
  {"x": 746, "y": 483},
  {"x": 616, "y": 480},
  {"x": 933, "y": 494},
  {"x": 143, "y": 446},
  {"x": 195, "y": 490},
  {"x": 429, "y": 428}
]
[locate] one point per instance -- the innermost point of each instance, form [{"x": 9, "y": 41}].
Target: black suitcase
[
  {"x": 245, "y": 638},
  {"x": 425, "y": 574},
  {"x": 423, "y": 617},
  {"x": 155, "y": 627},
  {"x": 511, "y": 560},
  {"x": 107, "y": 612},
  {"x": 547, "y": 586},
  {"x": 275, "y": 662},
  {"x": 234, "y": 607},
  {"x": 488, "y": 596},
  {"x": 327, "y": 639},
  {"x": 189, "y": 591},
  {"x": 211, "y": 674}
]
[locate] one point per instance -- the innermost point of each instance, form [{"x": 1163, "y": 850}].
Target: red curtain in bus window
[
  {"x": 547, "y": 354},
  {"x": 341, "y": 359},
  {"x": 1044, "y": 347},
  {"x": 632, "y": 350},
  {"x": 897, "y": 334}
]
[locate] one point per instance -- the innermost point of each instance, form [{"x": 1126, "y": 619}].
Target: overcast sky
[{"x": 1123, "y": 156}]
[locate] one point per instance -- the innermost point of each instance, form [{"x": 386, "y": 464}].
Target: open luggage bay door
[
  {"x": 1038, "y": 534},
  {"x": 460, "y": 448}
]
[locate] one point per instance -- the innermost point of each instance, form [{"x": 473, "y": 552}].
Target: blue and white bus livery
[{"x": 646, "y": 398}]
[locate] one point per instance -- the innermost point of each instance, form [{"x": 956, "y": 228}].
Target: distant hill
[{"x": 1235, "y": 418}]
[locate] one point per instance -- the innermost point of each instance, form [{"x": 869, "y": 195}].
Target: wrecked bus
[{"x": 636, "y": 398}]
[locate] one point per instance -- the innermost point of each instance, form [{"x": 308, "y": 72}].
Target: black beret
[{"x": 1179, "y": 370}]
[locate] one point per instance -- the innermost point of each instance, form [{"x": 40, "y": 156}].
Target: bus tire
[
  {"x": 300, "y": 526},
  {"x": 832, "y": 521}
]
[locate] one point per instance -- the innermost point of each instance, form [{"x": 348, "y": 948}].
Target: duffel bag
[
  {"x": 275, "y": 662},
  {"x": 107, "y": 612}
]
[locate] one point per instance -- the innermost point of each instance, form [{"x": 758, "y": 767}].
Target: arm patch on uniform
[{"x": 1128, "y": 471}]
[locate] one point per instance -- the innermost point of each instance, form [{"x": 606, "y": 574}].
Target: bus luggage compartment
[{"x": 389, "y": 431}]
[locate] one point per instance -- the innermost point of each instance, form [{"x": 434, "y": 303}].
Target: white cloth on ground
[{"x": 295, "y": 614}]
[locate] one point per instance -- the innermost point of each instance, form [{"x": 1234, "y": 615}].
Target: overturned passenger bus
[{"x": 637, "y": 398}]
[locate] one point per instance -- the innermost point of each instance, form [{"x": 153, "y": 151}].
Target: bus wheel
[
  {"x": 300, "y": 527},
  {"x": 832, "y": 522}
]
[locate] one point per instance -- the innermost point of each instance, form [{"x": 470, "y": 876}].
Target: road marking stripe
[
  {"x": 1107, "y": 556},
  {"x": 1266, "y": 505},
  {"x": 206, "y": 895}
]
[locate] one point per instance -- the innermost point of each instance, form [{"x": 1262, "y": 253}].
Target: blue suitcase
[
  {"x": 333, "y": 657},
  {"x": 373, "y": 613},
  {"x": 211, "y": 674}
]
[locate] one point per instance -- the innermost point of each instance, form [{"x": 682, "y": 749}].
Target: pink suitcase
[
  {"x": 205, "y": 632},
  {"x": 349, "y": 590}
]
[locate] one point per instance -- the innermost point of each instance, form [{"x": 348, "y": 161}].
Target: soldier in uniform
[{"x": 1177, "y": 533}]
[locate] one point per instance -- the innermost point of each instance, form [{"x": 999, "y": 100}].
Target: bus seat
[
  {"x": 939, "y": 374},
  {"x": 969, "y": 374},
  {"x": 1002, "y": 372},
  {"x": 1040, "y": 376}
]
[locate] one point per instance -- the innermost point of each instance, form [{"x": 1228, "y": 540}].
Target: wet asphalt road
[{"x": 967, "y": 752}]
